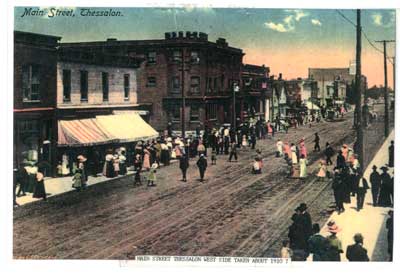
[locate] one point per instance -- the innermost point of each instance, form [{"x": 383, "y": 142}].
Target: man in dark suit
[
  {"x": 356, "y": 252},
  {"x": 202, "y": 165},
  {"x": 375, "y": 180},
  {"x": 361, "y": 191}
]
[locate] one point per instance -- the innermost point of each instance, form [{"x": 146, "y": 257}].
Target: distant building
[{"x": 209, "y": 71}]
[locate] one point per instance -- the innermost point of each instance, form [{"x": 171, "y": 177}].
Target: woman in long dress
[
  {"x": 40, "y": 191},
  {"x": 146, "y": 159},
  {"x": 303, "y": 149},
  {"x": 108, "y": 169},
  {"x": 322, "y": 170},
  {"x": 303, "y": 166},
  {"x": 293, "y": 154}
]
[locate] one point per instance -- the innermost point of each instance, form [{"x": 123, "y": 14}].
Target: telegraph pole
[
  {"x": 183, "y": 95},
  {"x": 359, "y": 126},
  {"x": 386, "y": 92}
]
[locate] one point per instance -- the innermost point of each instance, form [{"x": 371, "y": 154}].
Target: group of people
[
  {"x": 305, "y": 239},
  {"x": 29, "y": 179}
]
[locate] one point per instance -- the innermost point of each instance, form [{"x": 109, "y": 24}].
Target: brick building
[
  {"x": 35, "y": 66},
  {"x": 205, "y": 71}
]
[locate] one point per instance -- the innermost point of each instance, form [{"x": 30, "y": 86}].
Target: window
[
  {"x": 84, "y": 85},
  {"x": 151, "y": 57},
  {"x": 175, "y": 85},
  {"x": 195, "y": 85},
  {"x": 31, "y": 83},
  {"x": 177, "y": 56},
  {"x": 104, "y": 77},
  {"x": 151, "y": 82},
  {"x": 66, "y": 85},
  {"x": 209, "y": 84},
  {"x": 194, "y": 57},
  {"x": 126, "y": 86},
  {"x": 212, "y": 112},
  {"x": 215, "y": 84},
  {"x": 175, "y": 113},
  {"x": 194, "y": 113},
  {"x": 222, "y": 82}
]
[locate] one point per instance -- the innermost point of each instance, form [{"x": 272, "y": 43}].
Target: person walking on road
[
  {"x": 202, "y": 165},
  {"x": 303, "y": 167},
  {"x": 340, "y": 160},
  {"x": 335, "y": 245},
  {"x": 321, "y": 170},
  {"x": 151, "y": 178},
  {"x": 316, "y": 142},
  {"x": 318, "y": 245},
  {"x": 329, "y": 152},
  {"x": 356, "y": 252},
  {"x": 391, "y": 154},
  {"x": 361, "y": 191},
  {"x": 279, "y": 148},
  {"x": 137, "y": 164},
  {"x": 233, "y": 152},
  {"x": 375, "y": 180},
  {"x": 184, "y": 165},
  {"x": 293, "y": 151}
]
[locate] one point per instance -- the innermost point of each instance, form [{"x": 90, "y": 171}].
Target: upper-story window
[
  {"x": 84, "y": 85},
  {"x": 175, "y": 85},
  {"x": 194, "y": 113},
  {"x": 104, "y": 77},
  {"x": 31, "y": 82},
  {"x": 151, "y": 82},
  {"x": 177, "y": 56},
  {"x": 126, "y": 86},
  {"x": 195, "y": 85},
  {"x": 66, "y": 79},
  {"x": 194, "y": 57},
  {"x": 151, "y": 58}
]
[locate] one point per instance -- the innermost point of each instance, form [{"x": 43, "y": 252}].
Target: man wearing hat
[
  {"x": 375, "y": 180},
  {"x": 356, "y": 252},
  {"x": 335, "y": 245},
  {"x": 305, "y": 220},
  {"x": 361, "y": 191},
  {"x": 391, "y": 154},
  {"x": 386, "y": 187}
]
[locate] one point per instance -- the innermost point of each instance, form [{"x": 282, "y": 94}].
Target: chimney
[
  {"x": 188, "y": 35},
  {"x": 280, "y": 76},
  {"x": 111, "y": 39},
  {"x": 180, "y": 34},
  {"x": 203, "y": 36},
  {"x": 167, "y": 35},
  {"x": 173, "y": 34},
  {"x": 221, "y": 42},
  {"x": 195, "y": 35}
]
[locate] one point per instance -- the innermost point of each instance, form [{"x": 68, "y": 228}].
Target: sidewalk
[{"x": 370, "y": 221}]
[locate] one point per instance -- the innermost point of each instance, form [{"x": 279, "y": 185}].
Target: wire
[{"x": 348, "y": 20}]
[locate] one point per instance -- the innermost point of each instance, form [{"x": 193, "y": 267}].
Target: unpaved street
[{"x": 233, "y": 212}]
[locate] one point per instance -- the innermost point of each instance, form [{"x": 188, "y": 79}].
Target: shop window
[
  {"x": 151, "y": 82},
  {"x": 209, "y": 84},
  {"x": 66, "y": 85},
  {"x": 194, "y": 113},
  {"x": 31, "y": 82},
  {"x": 151, "y": 57},
  {"x": 126, "y": 86},
  {"x": 195, "y": 85},
  {"x": 104, "y": 77},
  {"x": 84, "y": 85}
]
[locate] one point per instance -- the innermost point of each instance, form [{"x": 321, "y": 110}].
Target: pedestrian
[
  {"x": 340, "y": 160},
  {"x": 335, "y": 245},
  {"x": 318, "y": 245},
  {"x": 302, "y": 148},
  {"x": 77, "y": 180},
  {"x": 256, "y": 166},
  {"x": 151, "y": 178},
  {"x": 253, "y": 139},
  {"x": 338, "y": 190},
  {"x": 303, "y": 167},
  {"x": 233, "y": 152},
  {"x": 316, "y": 142},
  {"x": 116, "y": 165},
  {"x": 297, "y": 237},
  {"x": 361, "y": 191},
  {"x": 164, "y": 154},
  {"x": 305, "y": 219},
  {"x": 389, "y": 227},
  {"x": 345, "y": 151},
  {"x": 384, "y": 199},
  {"x": 214, "y": 157},
  {"x": 329, "y": 152},
  {"x": 201, "y": 149},
  {"x": 391, "y": 154},
  {"x": 293, "y": 151},
  {"x": 279, "y": 148},
  {"x": 356, "y": 252},
  {"x": 220, "y": 148},
  {"x": 146, "y": 159},
  {"x": 40, "y": 191},
  {"x": 202, "y": 165},
  {"x": 137, "y": 164},
  {"x": 108, "y": 169},
  {"x": 286, "y": 252},
  {"x": 244, "y": 141},
  {"x": 287, "y": 151},
  {"x": 122, "y": 161},
  {"x": 22, "y": 179},
  {"x": 321, "y": 170},
  {"x": 347, "y": 180},
  {"x": 184, "y": 165},
  {"x": 375, "y": 180}
]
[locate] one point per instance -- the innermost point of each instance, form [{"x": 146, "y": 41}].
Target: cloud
[
  {"x": 316, "y": 22},
  {"x": 288, "y": 23},
  {"x": 377, "y": 18}
]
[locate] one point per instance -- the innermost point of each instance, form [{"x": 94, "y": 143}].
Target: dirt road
[{"x": 232, "y": 213}]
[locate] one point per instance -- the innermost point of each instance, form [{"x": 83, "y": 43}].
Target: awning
[
  {"x": 127, "y": 127},
  {"x": 84, "y": 132},
  {"x": 312, "y": 106}
]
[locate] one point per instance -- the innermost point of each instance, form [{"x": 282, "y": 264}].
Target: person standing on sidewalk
[
  {"x": 389, "y": 227},
  {"x": 361, "y": 191},
  {"x": 318, "y": 245},
  {"x": 375, "y": 180},
  {"x": 386, "y": 184},
  {"x": 202, "y": 165},
  {"x": 329, "y": 152},
  {"x": 183, "y": 165},
  {"x": 391, "y": 154},
  {"x": 335, "y": 245},
  {"x": 356, "y": 252},
  {"x": 40, "y": 191},
  {"x": 338, "y": 190},
  {"x": 316, "y": 142}
]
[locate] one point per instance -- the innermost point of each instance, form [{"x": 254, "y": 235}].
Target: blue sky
[{"x": 266, "y": 35}]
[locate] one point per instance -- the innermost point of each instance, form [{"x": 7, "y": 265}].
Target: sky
[{"x": 288, "y": 41}]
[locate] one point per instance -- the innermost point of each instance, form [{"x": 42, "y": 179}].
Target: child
[
  {"x": 322, "y": 170},
  {"x": 152, "y": 175},
  {"x": 214, "y": 158},
  {"x": 256, "y": 166},
  {"x": 77, "y": 180},
  {"x": 286, "y": 252}
]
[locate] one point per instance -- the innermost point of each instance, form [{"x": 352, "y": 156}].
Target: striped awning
[{"x": 84, "y": 132}]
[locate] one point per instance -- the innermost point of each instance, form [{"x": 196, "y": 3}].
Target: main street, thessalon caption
[{"x": 205, "y": 260}]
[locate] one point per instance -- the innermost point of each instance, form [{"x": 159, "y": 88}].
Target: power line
[{"x": 348, "y": 20}]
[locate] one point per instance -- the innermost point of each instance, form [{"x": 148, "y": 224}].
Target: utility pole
[
  {"x": 386, "y": 92},
  {"x": 359, "y": 126},
  {"x": 183, "y": 94}
]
